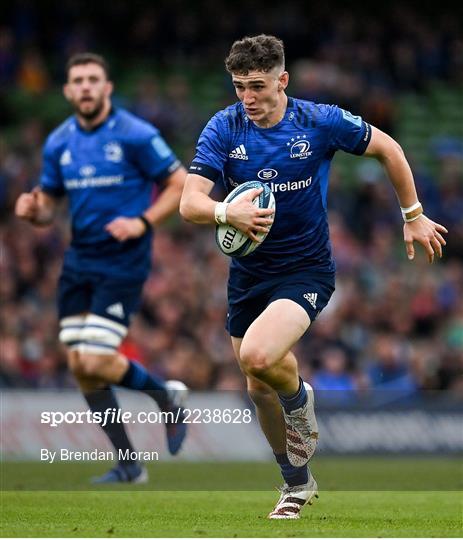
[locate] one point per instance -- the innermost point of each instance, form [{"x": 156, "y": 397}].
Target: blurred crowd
[
  {"x": 391, "y": 324},
  {"x": 355, "y": 55}
]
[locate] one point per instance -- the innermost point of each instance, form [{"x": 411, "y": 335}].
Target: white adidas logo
[
  {"x": 66, "y": 158},
  {"x": 239, "y": 152},
  {"x": 117, "y": 310},
  {"x": 311, "y": 297}
]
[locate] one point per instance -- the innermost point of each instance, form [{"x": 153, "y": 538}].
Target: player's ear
[
  {"x": 109, "y": 87},
  {"x": 283, "y": 80},
  {"x": 67, "y": 92}
]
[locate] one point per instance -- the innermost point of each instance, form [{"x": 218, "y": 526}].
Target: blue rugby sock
[
  {"x": 101, "y": 400},
  {"x": 138, "y": 378},
  {"x": 293, "y": 476},
  {"x": 297, "y": 400}
]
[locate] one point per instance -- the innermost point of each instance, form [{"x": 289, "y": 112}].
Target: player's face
[
  {"x": 261, "y": 94},
  {"x": 88, "y": 90}
]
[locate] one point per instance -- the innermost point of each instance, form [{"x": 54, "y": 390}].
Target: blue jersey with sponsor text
[
  {"x": 106, "y": 173},
  {"x": 294, "y": 158}
]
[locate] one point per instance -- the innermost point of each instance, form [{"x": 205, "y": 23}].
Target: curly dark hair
[
  {"x": 83, "y": 58},
  {"x": 258, "y": 53}
]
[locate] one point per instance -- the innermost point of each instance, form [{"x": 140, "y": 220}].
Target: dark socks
[
  {"x": 101, "y": 400},
  {"x": 138, "y": 378},
  {"x": 293, "y": 476},
  {"x": 296, "y": 401}
]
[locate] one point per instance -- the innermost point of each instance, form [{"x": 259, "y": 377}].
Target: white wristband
[
  {"x": 412, "y": 212},
  {"x": 220, "y": 213},
  {"x": 410, "y": 208},
  {"x": 408, "y": 220}
]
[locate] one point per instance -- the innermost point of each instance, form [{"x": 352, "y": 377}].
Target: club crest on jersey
[
  {"x": 299, "y": 147},
  {"x": 267, "y": 174},
  {"x": 113, "y": 152}
]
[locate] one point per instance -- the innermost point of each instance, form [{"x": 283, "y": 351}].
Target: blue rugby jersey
[
  {"x": 106, "y": 173},
  {"x": 294, "y": 158}
]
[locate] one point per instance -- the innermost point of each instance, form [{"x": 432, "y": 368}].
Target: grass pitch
[{"x": 28, "y": 508}]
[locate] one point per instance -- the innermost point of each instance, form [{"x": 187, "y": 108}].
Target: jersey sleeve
[
  {"x": 348, "y": 132},
  {"x": 154, "y": 156},
  {"x": 211, "y": 150},
  {"x": 51, "y": 180}
]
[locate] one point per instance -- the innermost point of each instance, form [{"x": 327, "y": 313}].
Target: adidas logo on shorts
[
  {"x": 116, "y": 310},
  {"x": 239, "y": 153},
  {"x": 311, "y": 297}
]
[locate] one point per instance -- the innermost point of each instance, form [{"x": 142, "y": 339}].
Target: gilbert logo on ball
[{"x": 232, "y": 241}]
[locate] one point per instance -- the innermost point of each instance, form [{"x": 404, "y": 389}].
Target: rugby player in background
[
  {"x": 278, "y": 290},
  {"x": 106, "y": 161}
]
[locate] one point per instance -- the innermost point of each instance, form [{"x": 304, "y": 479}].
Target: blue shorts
[
  {"x": 110, "y": 298},
  {"x": 248, "y": 296}
]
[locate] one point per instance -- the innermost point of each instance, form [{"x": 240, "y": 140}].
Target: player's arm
[
  {"x": 40, "y": 205},
  {"x": 37, "y": 207},
  {"x": 196, "y": 206},
  {"x": 417, "y": 227}
]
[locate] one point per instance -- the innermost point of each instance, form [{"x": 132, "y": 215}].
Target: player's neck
[
  {"x": 89, "y": 124},
  {"x": 276, "y": 115}
]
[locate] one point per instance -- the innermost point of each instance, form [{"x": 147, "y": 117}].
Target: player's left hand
[
  {"x": 427, "y": 233},
  {"x": 123, "y": 228}
]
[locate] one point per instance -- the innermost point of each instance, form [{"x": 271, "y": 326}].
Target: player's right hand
[
  {"x": 27, "y": 206},
  {"x": 247, "y": 217}
]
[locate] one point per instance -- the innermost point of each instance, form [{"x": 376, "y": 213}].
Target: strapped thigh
[
  {"x": 92, "y": 334},
  {"x": 71, "y": 329}
]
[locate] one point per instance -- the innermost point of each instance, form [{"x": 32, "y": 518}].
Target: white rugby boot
[
  {"x": 177, "y": 392},
  {"x": 301, "y": 431},
  {"x": 133, "y": 473},
  {"x": 292, "y": 499},
  {"x": 176, "y": 429}
]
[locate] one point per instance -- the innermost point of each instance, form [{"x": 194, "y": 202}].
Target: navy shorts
[
  {"x": 110, "y": 298},
  {"x": 248, "y": 296}
]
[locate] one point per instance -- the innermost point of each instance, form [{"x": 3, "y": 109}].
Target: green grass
[
  {"x": 139, "y": 513},
  {"x": 332, "y": 474},
  {"x": 227, "y": 514}
]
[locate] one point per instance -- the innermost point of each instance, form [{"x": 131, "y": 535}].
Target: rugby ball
[{"x": 232, "y": 241}]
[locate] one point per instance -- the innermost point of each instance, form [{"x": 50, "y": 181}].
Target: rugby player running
[
  {"x": 107, "y": 161},
  {"x": 278, "y": 290}
]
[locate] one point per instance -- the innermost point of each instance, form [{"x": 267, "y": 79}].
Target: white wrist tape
[
  {"x": 412, "y": 212},
  {"x": 411, "y": 208},
  {"x": 220, "y": 213}
]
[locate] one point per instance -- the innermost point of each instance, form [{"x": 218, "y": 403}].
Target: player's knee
[
  {"x": 254, "y": 360},
  {"x": 90, "y": 366},
  {"x": 74, "y": 363},
  {"x": 81, "y": 368},
  {"x": 78, "y": 367}
]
